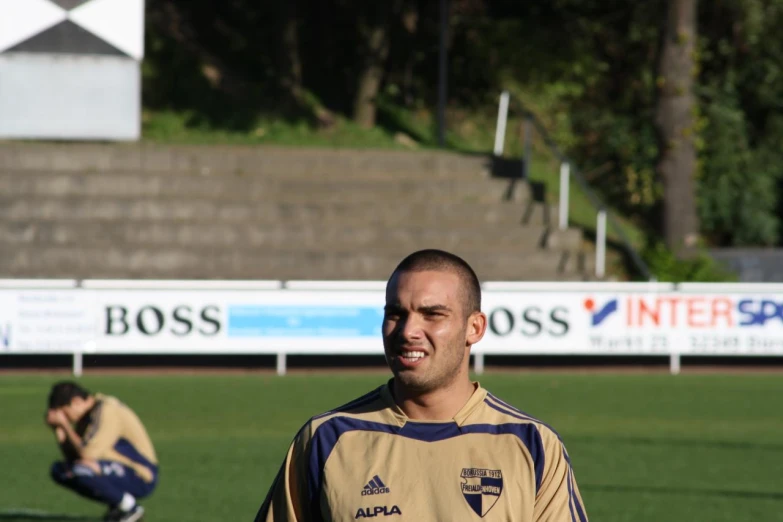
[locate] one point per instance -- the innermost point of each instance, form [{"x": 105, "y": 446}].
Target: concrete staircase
[{"x": 140, "y": 211}]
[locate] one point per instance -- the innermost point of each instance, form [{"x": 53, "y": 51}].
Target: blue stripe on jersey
[
  {"x": 579, "y": 509},
  {"x": 571, "y": 496},
  {"x": 520, "y": 414},
  {"x": 378, "y": 481},
  {"x": 328, "y": 433},
  {"x": 523, "y": 416},
  {"x": 128, "y": 450},
  {"x": 356, "y": 403},
  {"x": 429, "y": 432}
]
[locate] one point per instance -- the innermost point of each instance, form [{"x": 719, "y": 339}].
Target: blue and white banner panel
[{"x": 274, "y": 321}]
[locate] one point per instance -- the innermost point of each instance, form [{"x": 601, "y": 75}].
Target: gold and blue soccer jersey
[
  {"x": 112, "y": 431},
  {"x": 367, "y": 460}
]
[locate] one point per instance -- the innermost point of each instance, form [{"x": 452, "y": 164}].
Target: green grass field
[{"x": 644, "y": 447}]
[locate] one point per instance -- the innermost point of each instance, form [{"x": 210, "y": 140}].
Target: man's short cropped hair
[
  {"x": 442, "y": 261},
  {"x": 63, "y": 393}
]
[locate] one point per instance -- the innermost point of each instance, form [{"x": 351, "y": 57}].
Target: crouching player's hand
[{"x": 52, "y": 417}]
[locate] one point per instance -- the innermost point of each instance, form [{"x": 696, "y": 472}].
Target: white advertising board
[
  {"x": 652, "y": 323},
  {"x": 535, "y": 319}
]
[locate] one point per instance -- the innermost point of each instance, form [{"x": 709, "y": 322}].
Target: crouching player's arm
[
  {"x": 100, "y": 437},
  {"x": 54, "y": 419},
  {"x": 289, "y": 498}
]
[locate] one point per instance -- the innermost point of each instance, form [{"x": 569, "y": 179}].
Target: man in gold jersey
[
  {"x": 430, "y": 445},
  {"x": 109, "y": 457}
]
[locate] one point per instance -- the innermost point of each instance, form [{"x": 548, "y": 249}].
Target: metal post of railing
[
  {"x": 500, "y": 130},
  {"x": 600, "y": 244},
  {"x": 674, "y": 363},
  {"x": 565, "y": 183},
  {"x": 478, "y": 363},
  {"x": 281, "y": 363},
  {"x": 77, "y": 364},
  {"x": 528, "y": 141}
]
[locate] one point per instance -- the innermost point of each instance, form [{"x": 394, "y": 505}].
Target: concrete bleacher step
[
  {"x": 233, "y": 188},
  {"x": 210, "y": 263},
  {"x": 376, "y": 236},
  {"x": 266, "y": 160},
  {"x": 31, "y": 209}
]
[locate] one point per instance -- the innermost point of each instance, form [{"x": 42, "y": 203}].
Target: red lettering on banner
[
  {"x": 696, "y": 312},
  {"x": 673, "y": 302},
  {"x": 722, "y": 308},
  {"x": 645, "y": 310},
  {"x": 664, "y": 311}
]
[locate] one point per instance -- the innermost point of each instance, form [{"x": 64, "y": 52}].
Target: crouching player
[{"x": 109, "y": 457}]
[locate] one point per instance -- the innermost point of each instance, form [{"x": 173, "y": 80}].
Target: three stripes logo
[{"x": 375, "y": 487}]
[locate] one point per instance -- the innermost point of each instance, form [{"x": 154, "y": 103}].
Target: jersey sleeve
[
  {"x": 102, "y": 432},
  {"x": 288, "y": 499},
  {"x": 558, "y": 499}
]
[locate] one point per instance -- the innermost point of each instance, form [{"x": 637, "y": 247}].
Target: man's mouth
[{"x": 412, "y": 356}]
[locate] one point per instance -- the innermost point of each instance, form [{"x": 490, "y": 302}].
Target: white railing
[
  {"x": 565, "y": 189},
  {"x": 565, "y": 182},
  {"x": 331, "y": 317}
]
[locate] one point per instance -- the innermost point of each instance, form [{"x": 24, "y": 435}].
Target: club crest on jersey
[{"x": 481, "y": 488}]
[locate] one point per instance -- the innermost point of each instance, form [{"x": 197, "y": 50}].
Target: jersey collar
[{"x": 399, "y": 417}]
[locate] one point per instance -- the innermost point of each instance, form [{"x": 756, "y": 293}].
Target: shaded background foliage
[{"x": 587, "y": 67}]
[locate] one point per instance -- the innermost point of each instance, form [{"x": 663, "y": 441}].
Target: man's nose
[{"x": 411, "y": 327}]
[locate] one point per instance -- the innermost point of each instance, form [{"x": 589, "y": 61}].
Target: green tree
[{"x": 742, "y": 96}]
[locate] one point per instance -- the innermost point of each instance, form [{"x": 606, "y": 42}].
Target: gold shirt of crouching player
[{"x": 429, "y": 445}]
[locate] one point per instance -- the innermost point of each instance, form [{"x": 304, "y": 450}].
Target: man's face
[{"x": 425, "y": 330}]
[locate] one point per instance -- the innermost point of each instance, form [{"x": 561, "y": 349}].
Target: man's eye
[{"x": 434, "y": 313}]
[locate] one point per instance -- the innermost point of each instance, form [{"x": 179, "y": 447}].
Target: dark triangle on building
[
  {"x": 69, "y": 4},
  {"x": 66, "y": 38}
]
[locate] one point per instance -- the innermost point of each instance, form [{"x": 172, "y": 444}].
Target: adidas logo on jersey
[{"x": 375, "y": 487}]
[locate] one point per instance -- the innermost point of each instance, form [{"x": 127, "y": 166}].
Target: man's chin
[{"x": 408, "y": 379}]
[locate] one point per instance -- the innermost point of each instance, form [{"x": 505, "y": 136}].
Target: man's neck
[{"x": 438, "y": 405}]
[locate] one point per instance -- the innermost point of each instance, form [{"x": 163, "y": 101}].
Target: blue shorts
[{"x": 108, "y": 486}]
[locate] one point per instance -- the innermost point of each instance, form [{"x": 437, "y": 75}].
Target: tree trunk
[
  {"x": 675, "y": 122},
  {"x": 291, "y": 58},
  {"x": 376, "y": 37},
  {"x": 291, "y": 67},
  {"x": 410, "y": 21}
]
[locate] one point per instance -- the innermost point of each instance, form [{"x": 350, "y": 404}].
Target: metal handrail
[{"x": 567, "y": 169}]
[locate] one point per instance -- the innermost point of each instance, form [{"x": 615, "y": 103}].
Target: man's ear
[{"x": 477, "y": 325}]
